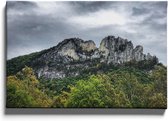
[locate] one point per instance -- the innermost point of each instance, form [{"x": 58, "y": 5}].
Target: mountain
[
  {"x": 74, "y": 56},
  {"x": 77, "y": 74}
]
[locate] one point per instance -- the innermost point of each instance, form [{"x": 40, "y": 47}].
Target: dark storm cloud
[
  {"x": 85, "y": 7},
  {"x": 33, "y": 26},
  {"x": 140, "y": 8},
  {"x": 139, "y": 11},
  {"x": 21, "y": 5}
]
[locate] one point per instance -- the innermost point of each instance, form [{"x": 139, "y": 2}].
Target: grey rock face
[
  {"x": 138, "y": 53},
  {"x": 118, "y": 50},
  {"x": 73, "y": 49},
  {"x": 66, "y": 52},
  {"x": 57, "y": 61}
]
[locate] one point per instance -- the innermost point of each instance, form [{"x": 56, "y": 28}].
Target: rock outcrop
[
  {"x": 118, "y": 50},
  {"x": 59, "y": 61},
  {"x": 73, "y": 49}
]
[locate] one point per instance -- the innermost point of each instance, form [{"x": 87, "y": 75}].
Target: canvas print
[{"x": 86, "y": 54}]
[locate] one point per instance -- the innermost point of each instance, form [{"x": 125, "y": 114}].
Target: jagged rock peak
[
  {"x": 77, "y": 42},
  {"x": 69, "y": 40},
  {"x": 117, "y": 43},
  {"x": 119, "y": 50},
  {"x": 76, "y": 48},
  {"x": 112, "y": 49},
  {"x": 116, "y": 50}
]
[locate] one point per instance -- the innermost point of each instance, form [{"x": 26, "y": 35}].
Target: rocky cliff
[
  {"x": 118, "y": 50},
  {"x": 72, "y": 55}
]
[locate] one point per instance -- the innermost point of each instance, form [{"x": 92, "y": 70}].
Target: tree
[
  {"x": 27, "y": 75},
  {"x": 97, "y": 91},
  {"x": 131, "y": 83},
  {"x": 158, "y": 100},
  {"x": 22, "y": 90},
  {"x": 159, "y": 77},
  {"x": 17, "y": 96},
  {"x": 59, "y": 101}
]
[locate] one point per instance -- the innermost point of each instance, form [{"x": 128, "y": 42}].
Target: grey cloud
[
  {"x": 32, "y": 31},
  {"x": 139, "y": 11},
  {"x": 85, "y": 6},
  {"x": 21, "y": 5}
]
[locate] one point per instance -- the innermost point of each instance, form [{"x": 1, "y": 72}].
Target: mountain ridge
[{"x": 73, "y": 55}]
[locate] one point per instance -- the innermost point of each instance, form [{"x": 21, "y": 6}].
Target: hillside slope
[{"x": 73, "y": 56}]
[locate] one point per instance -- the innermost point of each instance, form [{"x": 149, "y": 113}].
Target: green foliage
[
  {"x": 144, "y": 64},
  {"x": 22, "y": 91},
  {"x": 54, "y": 87},
  {"x": 16, "y": 64},
  {"x": 121, "y": 88},
  {"x": 59, "y": 101},
  {"x": 97, "y": 92},
  {"x": 159, "y": 77},
  {"x": 17, "y": 96},
  {"x": 132, "y": 85},
  {"x": 158, "y": 100},
  {"x": 138, "y": 86}
]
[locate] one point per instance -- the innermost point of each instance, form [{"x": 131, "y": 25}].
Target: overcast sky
[{"x": 34, "y": 26}]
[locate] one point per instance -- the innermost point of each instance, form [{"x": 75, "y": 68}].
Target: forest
[{"x": 116, "y": 87}]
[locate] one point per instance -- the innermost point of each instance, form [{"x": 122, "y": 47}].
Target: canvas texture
[{"x": 86, "y": 54}]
